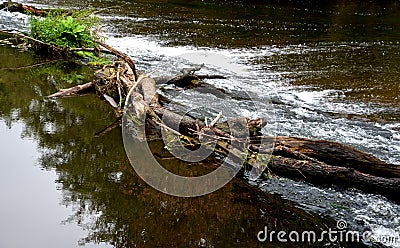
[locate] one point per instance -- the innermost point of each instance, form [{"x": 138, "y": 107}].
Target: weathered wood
[
  {"x": 185, "y": 80},
  {"x": 315, "y": 161},
  {"x": 318, "y": 162},
  {"x": 340, "y": 155},
  {"x": 182, "y": 124},
  {"x": 295, "y": 165},
  {"x": 148, "y": 90},
  {"x": 76, "y": 90}
]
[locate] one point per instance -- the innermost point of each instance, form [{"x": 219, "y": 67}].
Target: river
[{"x": 319, "y": 70}]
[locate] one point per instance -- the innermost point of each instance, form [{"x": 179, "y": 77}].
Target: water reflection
[
  {"x": 30, "y": 206},
  {"x": 30, "y": 210}
]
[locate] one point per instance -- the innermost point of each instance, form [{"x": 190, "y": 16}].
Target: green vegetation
[
  {"x": 69, "y": 29},
  {"x": 94, "y": 59},
  {"x": 63, "y": 29},
  {"x": 62, "y": 73}
]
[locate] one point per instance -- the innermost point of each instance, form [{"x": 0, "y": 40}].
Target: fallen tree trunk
[
  {"x": 185, "y": 80},
  {"x": 314, "y": 161},
  {"x": 290, "y": 163},
  {"x": 340, "y": 155}
]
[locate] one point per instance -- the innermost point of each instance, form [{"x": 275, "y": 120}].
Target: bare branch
[{"x": 216, "y": 119}]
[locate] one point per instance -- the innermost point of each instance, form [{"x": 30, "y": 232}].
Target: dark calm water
[{"x": 322, "y": 70}]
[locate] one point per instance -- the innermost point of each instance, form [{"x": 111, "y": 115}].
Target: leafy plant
[
  {"x": 65, "y": 29},
  {"x": 94, "y": 60},
  {"x": 70, "y": 29}
]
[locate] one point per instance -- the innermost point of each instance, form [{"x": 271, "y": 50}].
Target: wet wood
[
  {"x": 185, "y": 80},
  {"x": 125, "y": 57},
  {"x": 293, "y": 164},
  {"x": 148, "y": 90},
  {"x": 21, "y": 8},
  {"x": 76, "y": 90},
  {"x": 340, "y": 155},
  {"x": 314, "y": 161}
]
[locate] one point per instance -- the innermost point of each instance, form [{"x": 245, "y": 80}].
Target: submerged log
[{"x": 185, "y": 80}]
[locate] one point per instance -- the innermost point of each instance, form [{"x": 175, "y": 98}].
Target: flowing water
[{"x": 319, "y": 70}]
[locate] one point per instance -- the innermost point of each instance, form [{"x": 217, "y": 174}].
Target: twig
[
  {"x": 93, "y": 50},
  {"x": 162, "y": 125},
  {"x": 212, "y": 136},
  {"x": 61, "y": 49},
  {"x": 197, "y": 126}
]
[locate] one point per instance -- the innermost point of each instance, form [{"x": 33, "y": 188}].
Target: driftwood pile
[{"x": 315, "y": 161}]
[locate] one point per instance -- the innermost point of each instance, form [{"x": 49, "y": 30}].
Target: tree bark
[
  {"x": 292, "y": 164},
  {"x": 340, "y": 155}
]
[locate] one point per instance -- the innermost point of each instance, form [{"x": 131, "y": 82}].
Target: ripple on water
[{"x": 13, "y": 21}]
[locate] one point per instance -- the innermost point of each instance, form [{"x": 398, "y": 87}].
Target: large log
[
  {"x": 340, "y": 155},
  {"x": 293, "y": 164},
  {"x": 332, "y": 153},
  {"x": 314, "y": 161}
]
